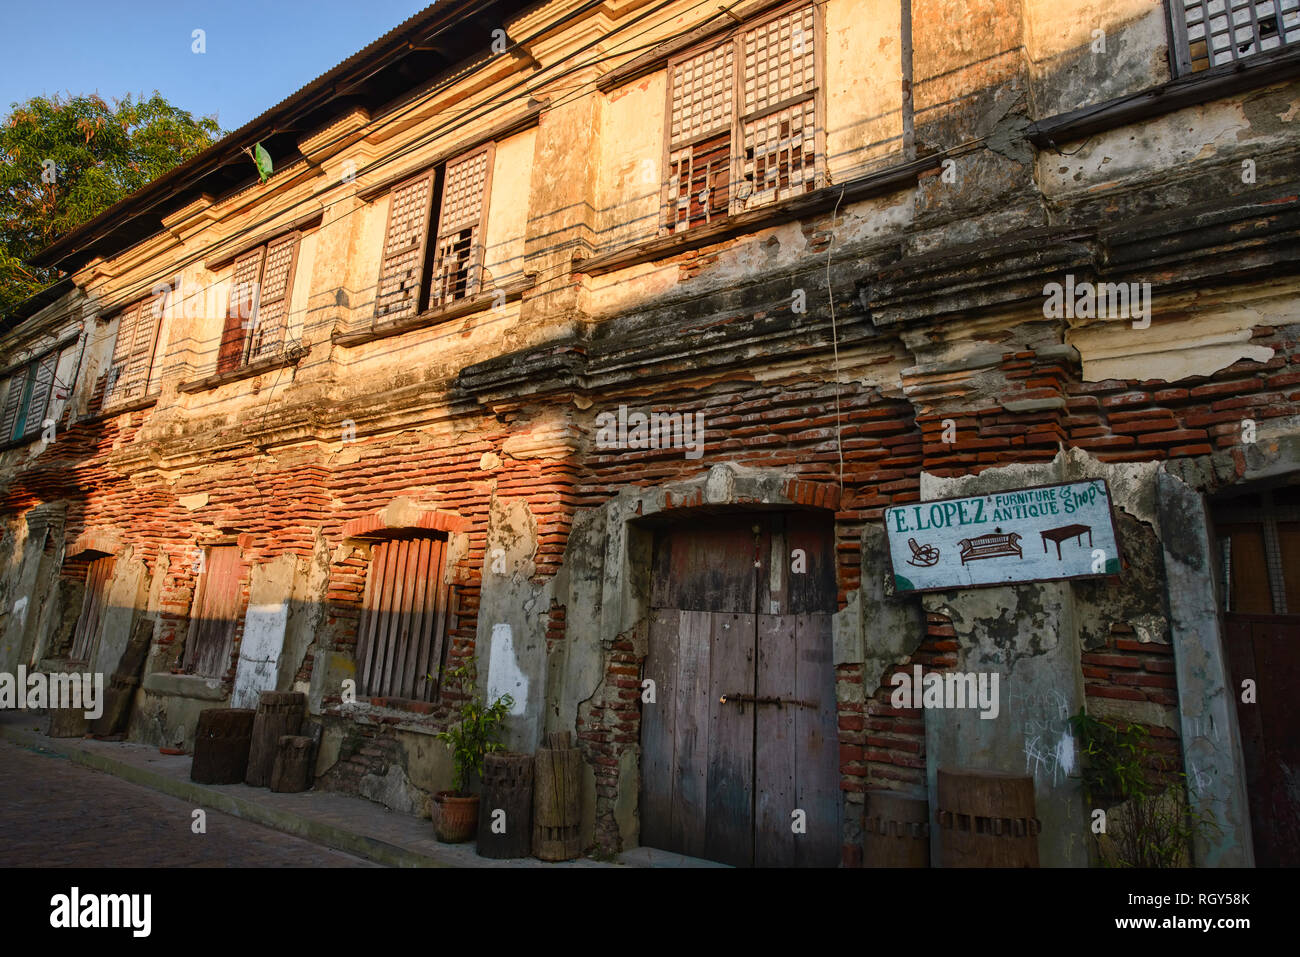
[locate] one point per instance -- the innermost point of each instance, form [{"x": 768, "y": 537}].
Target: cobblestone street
[{"x": 54, "y": 813}]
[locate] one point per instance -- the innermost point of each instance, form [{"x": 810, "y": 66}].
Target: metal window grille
[
  {"x": 404, "y": 619},
  {"x": 743, "y": 122},
  {"x": 214, "y": 613},
  {"x": 98, "y": 575},
  {"x": 400, "y": 273},
  {"x": 1210, "y": 33},
  {"x": 458, "y": 263}
]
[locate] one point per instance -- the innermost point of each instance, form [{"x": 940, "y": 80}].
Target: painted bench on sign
[{"x": 990, "y": 546}]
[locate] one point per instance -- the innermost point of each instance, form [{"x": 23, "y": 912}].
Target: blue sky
[{"x": 257, "y": 52}]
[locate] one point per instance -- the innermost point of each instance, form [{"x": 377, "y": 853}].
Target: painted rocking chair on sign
[{"x": 923, "y": 556}]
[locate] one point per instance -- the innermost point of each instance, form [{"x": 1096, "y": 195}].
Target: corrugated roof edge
[{"x": 233, "y": 144}]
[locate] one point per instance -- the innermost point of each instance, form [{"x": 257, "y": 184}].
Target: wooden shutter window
[
  {"x": 98, "y": 576},
  {"x": 1214, "y": 32},
  {"x": 743, "y": 126},
  {"x": 779, "y": 109},
  {"x": 213, "y": 615},
  {"x": 241, "y": 310},
  {"x": 458, "y": 266},
  {"x": 404, "y": 619},
  {"x": 699, "y": 136},
  {"x": 272, "y": 313},
  {"x": 133, "y": 351},
  {"x": 42, "y": 391},
  {"x": 405, "y": 238},
  {"x": 13, "y": 400}
]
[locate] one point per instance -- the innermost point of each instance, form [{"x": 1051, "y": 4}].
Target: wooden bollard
[
  {"x": 986, "y": 819},
  {"x": 505, "y": 809},
  {"x": 896, "y": 830},
  {"x": 279, "y": 713},
  {"x": 292, "y": 770},
  {"x": 557, "y": 804},
  {"x": 221, "y": 745}
]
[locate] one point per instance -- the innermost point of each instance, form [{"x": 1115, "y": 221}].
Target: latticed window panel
[
  {"x": 1214, "y": 32},
  {"x": 133, "y": 351},
  {"x": 398, "y": 293},
  {"x": 753, "y": 98},
  {"x": 703, "y": 94},
  {"x": 780, "y": 158},
  {"x": 241, "y": 310},
  {"x": 404, "y": 619},
  {"x": 458, "y": 259},
  {"x": 699, "y": 190},
  {"x": 780, "y": 60},
  {"x": 272, "y": 318}
]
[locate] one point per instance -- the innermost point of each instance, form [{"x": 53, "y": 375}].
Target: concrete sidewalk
[{"x": 339, "y": 821}]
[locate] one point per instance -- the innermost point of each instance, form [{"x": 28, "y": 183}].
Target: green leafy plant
[
  {"x": 479, "y": 729},
  {"x": 1149, "y": 822}
]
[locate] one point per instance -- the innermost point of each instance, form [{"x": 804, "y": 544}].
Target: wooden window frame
[
  {"x": 120, "y": 364},
  {"x": 243, "y": 333},
  {"x": 1184, "y": 60},
  {"x": 389, "y": 663},
  {"x": 735, "y": 134},
  {"x": 24, "y": 383},
  {"x": 1267, "y": 517},
  {"x": 428, "y": 262}
]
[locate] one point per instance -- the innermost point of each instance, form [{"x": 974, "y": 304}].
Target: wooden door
[
  {"x": 214, "y": 613},
  {"x": 740, "y": 749},
  {"x": 1266, "y": 649}
]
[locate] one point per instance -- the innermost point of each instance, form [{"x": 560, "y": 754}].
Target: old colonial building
[{"x": 596, "y": 339}]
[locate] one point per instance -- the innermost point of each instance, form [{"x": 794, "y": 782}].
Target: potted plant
[{"x": 470, "y": 740}]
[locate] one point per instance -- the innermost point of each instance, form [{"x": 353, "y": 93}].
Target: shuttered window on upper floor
[
  {"x": 28, "y": 394},
  {"x": 1210, "y": 33},
  {"x": 411, "y": 278},
  {"x": 743, "y": 125},
  {"x": 257, "y": 313},
  {"x": 131, "y": 369}
]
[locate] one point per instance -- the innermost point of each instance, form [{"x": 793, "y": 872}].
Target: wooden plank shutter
[
  {"x": 241, "y": 310},
  {"x": 42, "y": 387},
  {"x": 98, "y": 575},
  {"x": 404, "y": 619},
  {"x": 700, "y": 116},
  {"x": 12, "y": 404},
  {"x": 115, "y": 384},
  {"x": 214, "y": 614},
  {"x": 458, "y": 266},
  {"x": 405, "y": 239},
  {"x": 277, "y": 290},
  {"x": 779, "y": 125},
  {"x": 139, "y": 367}
]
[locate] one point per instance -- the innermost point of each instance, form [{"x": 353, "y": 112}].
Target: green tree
[{"x": 64, "y": 161}]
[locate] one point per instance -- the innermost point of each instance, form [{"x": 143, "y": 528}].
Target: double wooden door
[{"x": 740, "y": 751}]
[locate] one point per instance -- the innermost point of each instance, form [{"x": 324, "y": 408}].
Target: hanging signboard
[{"x": 1048, "y": 533}]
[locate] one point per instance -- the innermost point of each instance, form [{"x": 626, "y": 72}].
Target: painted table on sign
[
  {"x": 1059, "y": 535},
  {"x": 980, "y": 539}
]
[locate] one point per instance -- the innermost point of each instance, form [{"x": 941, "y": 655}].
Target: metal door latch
[{"x": 740, "y": 698}]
